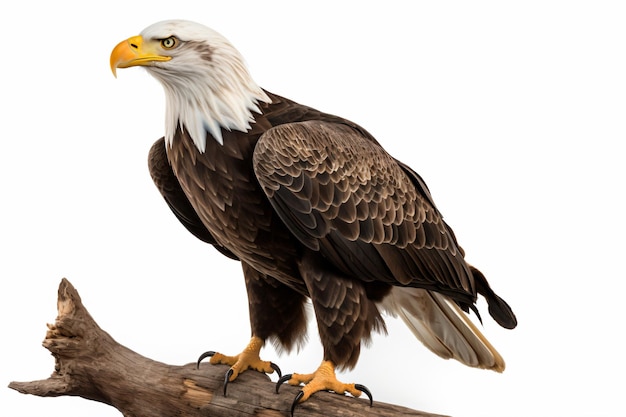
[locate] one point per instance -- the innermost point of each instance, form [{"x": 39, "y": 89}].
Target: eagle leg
[
  {"x": 248, "y": 359},
  {"x": 323, "y": 379}
]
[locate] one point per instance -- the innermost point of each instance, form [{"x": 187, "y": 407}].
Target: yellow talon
[
  {"x": 249, "y": 358},
  {"x": 323, "y": 379}
]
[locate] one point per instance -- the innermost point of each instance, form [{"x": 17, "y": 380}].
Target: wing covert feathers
[
  {"x": 343, "y": 195},
  {"x": 442, "y": 327},
  {"x": 324, "y": 176}
]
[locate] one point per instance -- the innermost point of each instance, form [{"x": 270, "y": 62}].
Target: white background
[{"x": 513, "y": 112}]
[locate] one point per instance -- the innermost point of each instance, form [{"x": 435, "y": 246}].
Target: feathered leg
[
  {"x": 265, "y": 294},
  {"x": 345, "y": 317}
]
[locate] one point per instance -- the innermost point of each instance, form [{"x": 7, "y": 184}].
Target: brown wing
[
  {"x": 165, "y": 180},
  {"x": 341, "y": 194}
]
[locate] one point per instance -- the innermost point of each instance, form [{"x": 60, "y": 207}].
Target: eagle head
[{"x": 207, "y": 84}]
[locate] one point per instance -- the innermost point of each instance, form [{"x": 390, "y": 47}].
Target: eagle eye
[{"x": 169, "y": 43}]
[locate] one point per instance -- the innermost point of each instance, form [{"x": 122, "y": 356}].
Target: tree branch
[{"x": 89, "y": 363}]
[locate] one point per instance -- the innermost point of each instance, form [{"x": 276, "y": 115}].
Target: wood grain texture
[{"x": 89, "y": 363}]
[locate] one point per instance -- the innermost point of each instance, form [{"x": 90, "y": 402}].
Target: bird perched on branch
[{"x": 312, "y": 206}]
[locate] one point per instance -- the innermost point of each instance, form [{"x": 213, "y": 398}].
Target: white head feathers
[{"x": 207, "y": 85}]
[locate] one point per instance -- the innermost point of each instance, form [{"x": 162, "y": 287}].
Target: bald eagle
[{"x": 312, "y": 206}]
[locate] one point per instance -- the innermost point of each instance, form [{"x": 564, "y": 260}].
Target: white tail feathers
[{"x": 443, "y": 327}]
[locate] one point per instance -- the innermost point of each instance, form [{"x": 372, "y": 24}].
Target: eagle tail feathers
[{"x": 441, "y": 325}]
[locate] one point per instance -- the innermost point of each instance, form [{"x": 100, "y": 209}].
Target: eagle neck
[{"x": 205, "y": 106}]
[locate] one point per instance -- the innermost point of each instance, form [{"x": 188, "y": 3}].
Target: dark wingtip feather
[
  {"x": 498, "y": 308},
  {"x": 501, "y": 312}
]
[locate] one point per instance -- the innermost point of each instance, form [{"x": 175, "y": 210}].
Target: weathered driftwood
[{"x": 89, "y": 363}]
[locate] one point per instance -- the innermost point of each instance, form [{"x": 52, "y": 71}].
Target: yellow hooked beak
[{"x": 133, "y": 52}]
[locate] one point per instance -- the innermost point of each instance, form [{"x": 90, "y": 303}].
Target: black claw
[
  {"x": 281, "y": 381},
  {"x": 277, "y": 369},
  {"x": 367, "y": 392},
  {"x": 203, "y": 356},
  {"x": 296, "y": 401},
  {"x": 227, "y": 376}
]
